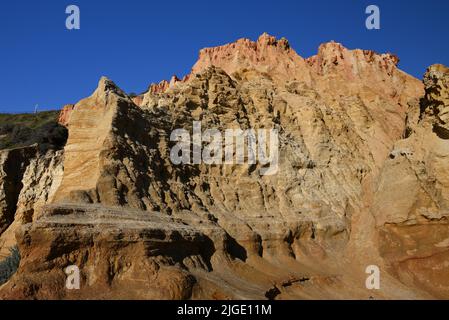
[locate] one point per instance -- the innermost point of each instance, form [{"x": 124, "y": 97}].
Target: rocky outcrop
[
  {"x": 29, "y": 170},
  {"x": 29, "y": 181},
  {"x": 13, "y": 164},
  {"x": 269, "y": 56},
  {"x": 162, "y": 86},
  {"x": 435, "y": 105},
  {"x": 64, "y": 114},
  {"x": 411, "y": 203},
  {"x": 360, "y": 181},
  {"x": 159, "y": 87},
  {"x": 115, "y": 250}
]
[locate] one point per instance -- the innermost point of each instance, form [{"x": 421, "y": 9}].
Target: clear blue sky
[{"x": 136, "y": 42}]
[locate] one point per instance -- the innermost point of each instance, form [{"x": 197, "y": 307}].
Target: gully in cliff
[{"x": 258, "y": 149}]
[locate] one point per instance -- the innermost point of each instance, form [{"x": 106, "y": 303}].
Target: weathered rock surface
[
  {"x": 13, "y": 164},
  {"x": 411, "y": 203},
  {"x": 435, "y": 105},
  {"x": 115, "y": 249},
  {"x": 29, "y": 181},
  {"x": 64, "y": 115},
  {"x": 362, "y": 180}
]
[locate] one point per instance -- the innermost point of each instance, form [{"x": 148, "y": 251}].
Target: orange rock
[
  {"x": 362, "y": 180},
  {"x": 64, "y": 115}
]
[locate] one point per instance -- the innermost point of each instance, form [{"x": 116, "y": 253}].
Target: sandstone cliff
[{"x": 362, "y": 180}]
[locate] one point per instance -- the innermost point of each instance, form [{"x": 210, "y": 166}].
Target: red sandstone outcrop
[
  {"x": 162, "y": 86},
  {"x": 267, "y": 55},
  {"x": 159, "y": 87},
  {"x": 64, "y": 115}
]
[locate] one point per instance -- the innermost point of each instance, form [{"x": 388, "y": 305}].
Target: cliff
[{"x": 362, "y": 179}]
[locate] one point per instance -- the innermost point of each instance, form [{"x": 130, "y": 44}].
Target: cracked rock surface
[{"x": 362, "y": 180}]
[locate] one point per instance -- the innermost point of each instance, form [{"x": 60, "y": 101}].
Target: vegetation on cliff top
[{"x": 19, "y": 130}]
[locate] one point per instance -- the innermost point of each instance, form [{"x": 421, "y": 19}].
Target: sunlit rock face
[
  {"x": 412, "y": 200},
  {"x": 360, "y": 181}
]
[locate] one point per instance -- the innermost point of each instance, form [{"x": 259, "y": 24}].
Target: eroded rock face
[
  {"x": 13, "y": 164},
  {"x": 435, "y": 104},
  {"x": 29, "y": 181},
  {"x": 64, "y": 115},
  {"x": 115, "y": 250},
  {"x": 412, "y": 200},
  {"x": 349, "y": 192},
  {"x": 29, "y": 169},
  {"x": 269, "y": 56}
]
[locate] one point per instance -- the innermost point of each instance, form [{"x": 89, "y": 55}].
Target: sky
[{"x": 137, "y": 42}]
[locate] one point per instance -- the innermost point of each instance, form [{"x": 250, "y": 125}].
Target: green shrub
[
  {"x": 9, "y": 266},
  {"x": 19, "y": 130}
]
